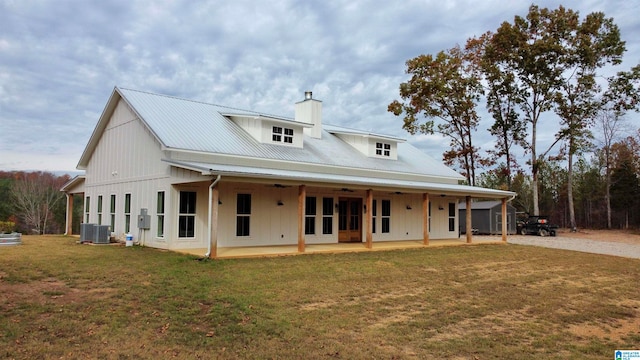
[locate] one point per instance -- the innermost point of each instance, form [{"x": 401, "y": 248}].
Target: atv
[{"x": 537, "y": 225}]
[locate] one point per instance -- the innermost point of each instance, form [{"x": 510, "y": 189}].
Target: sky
[{"x": 61, "y": 59}]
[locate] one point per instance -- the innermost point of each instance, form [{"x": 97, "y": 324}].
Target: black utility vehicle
[{"x": 537, "y": 225}]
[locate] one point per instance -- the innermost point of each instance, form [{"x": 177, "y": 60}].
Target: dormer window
[
  {"x": 280, "y": 134},
  {"x": 383, "y": 149}
]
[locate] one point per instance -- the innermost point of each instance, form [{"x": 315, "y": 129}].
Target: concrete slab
[{"x": 286, "y": 250}]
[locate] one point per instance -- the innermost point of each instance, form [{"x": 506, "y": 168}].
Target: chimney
[{"x": 309, "y": 111}]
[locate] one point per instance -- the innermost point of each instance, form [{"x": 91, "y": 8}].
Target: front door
[{"x": 349, "y": 220}]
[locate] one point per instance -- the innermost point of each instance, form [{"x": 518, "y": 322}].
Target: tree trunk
[
  {"x": 534, "y": 169},
  {"x": 572, "y": 212},
  {"x": 607, "y": 195}
]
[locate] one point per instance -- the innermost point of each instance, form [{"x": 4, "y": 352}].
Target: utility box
[{"x": 144, "y": 220}]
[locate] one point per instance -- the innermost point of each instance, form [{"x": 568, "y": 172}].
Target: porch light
[
  {"x": 440, "y": 207},
  {"x": 219, "y": 202},
  {"x": 408, "y": 207},
  {"x": 280, "y": 203}
]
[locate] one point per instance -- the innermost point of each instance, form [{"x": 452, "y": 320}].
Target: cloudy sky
[{"x": 59, "y": 60}]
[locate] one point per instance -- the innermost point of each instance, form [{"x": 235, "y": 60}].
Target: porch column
[
  {"x": 425, "y": 218},
  {"x": 69, "y": 227},
  {"x": 302, "y": 197},
  {"x": 469, "y": 227},
  {"x": 215, "y": 199},
  {"x": 504, "y": 220},
  {"x": 369, "y": 214}
]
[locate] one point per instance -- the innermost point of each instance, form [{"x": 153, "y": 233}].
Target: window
[
  {"x": 127, "y": 213},
  {"x": 160, "y": 213},
  {"x": 112, "y": 212},
  {"x": 277, "y": 134},
  {"x": 86, "y": 210},
  {"x": 386, "y": 216},
  {"x": 452, "y": 216},
  {"x": 288, "y": 135},
  {"x": 310, "y": 215},
  {"x": 429, "y": 219},
  {"x": 327, "y": 215},
  {"x": 374, "y": 213},
  {"x": 383, "y": 149},
  {"x": 187, "y": 214},
  {"x": 243, "y": 215},
  {"x": 100, "y": 210}
]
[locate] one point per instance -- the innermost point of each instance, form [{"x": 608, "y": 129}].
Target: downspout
[{"x": 213, "y": 184}]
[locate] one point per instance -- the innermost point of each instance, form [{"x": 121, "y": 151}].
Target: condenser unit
[
  {"x": 87, "y": 232},
  {"x": 101, "y": 234}
]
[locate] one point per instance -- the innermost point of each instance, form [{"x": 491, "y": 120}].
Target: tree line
[
  {"x": 550, "y": 62},
  {"x": 31, "y": 202}
]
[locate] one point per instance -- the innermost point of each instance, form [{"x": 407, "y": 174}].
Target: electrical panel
[{"x": 144, "y": 220}]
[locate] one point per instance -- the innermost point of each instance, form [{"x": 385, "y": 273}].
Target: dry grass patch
[{"x": 478, "y": 302}]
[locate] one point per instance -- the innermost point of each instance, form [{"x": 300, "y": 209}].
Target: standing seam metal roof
[{"x": 197, "y": 126}]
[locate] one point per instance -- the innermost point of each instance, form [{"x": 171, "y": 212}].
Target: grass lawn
[{"x": 59, "y": 299}]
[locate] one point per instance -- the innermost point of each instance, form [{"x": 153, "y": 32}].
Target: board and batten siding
[
  {"x": 127, "y": 160},
  {"x": 272, "y": 224}
]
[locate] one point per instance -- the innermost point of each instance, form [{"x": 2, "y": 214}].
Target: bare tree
[{"x": 35, "y": 195}]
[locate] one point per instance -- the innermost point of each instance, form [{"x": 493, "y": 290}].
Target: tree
[
  {"x": 443, "y": 87},
  {"x": 532, "y": 49},
  {"x": 521, "y": 185},
  {"x": 35, "y": 196},
  {"x": 588, "y": 46},
  {"x": 621, "y": 96},
  {"x": 502, "y": 102},
  {"x": 625, "y": 186}
]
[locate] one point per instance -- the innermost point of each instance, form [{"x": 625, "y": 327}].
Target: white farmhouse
[{"x": 181, "y": 174}]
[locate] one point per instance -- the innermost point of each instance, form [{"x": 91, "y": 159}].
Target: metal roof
[
  {"x": 196, "y": 126},
  {"x": 340, "y": 180}
]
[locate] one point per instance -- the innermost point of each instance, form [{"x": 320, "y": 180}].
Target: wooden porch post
[
  {"x": 469, "y": 229},
  {"x": 302, "y": 197},
  {"x": 215, "y": 199},
  {"x": 69, "y": 230},
  {"x": 369, "y": 214},
  {"x": 504, "y": 220},
  {"x": 425, "y": 218}
]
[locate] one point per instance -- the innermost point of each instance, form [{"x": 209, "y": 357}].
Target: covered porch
[{"x": 287, "y": 250}]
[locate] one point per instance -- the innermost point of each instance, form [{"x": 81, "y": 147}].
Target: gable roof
[{"x": 193, "y": 126}]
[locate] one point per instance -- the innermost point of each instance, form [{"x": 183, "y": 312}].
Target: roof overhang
[
  {"x": 342, "y": 180},
  {"x": 75, "y": 185}
]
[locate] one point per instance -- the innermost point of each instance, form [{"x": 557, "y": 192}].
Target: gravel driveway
[{"x": 575, "y": 244}]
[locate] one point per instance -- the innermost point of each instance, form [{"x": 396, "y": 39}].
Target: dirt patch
[
  {"x": 47, "y": 291},
  {"x": 611, "y": 330},
  {"x": 622, "y": 236}
]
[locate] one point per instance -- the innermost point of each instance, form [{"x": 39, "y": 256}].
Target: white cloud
[{"x": 60, "y": 60}]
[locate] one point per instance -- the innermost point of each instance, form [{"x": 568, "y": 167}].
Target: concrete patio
[{"x": 286, "y": 250}]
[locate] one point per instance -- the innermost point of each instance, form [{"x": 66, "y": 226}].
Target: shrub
[{"x": 7, "y": 226}]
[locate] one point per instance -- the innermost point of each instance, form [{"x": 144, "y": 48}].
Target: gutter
[{"x": 213, "y": 184}]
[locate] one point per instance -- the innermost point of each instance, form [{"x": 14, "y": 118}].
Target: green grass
[{"x": 59, "y": 299}]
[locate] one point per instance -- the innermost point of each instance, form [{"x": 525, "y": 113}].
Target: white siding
[
  {"x": 360, "y": 143},
  {"x": 127, "y": 160}
]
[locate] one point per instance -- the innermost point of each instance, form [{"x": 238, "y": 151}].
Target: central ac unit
[{"x": 102, "y": 234}]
